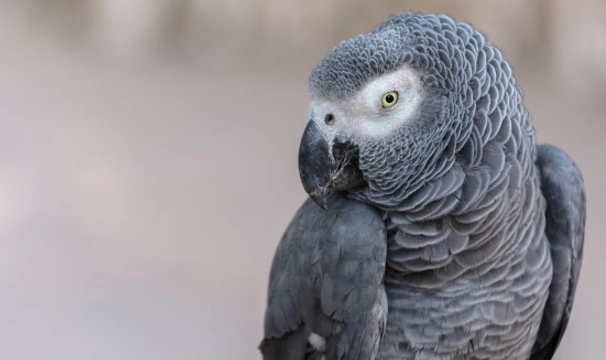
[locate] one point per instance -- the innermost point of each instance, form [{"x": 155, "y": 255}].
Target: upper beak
[
  {"x": 324, "y": 166},
  {"x": 315, "y": 164}
]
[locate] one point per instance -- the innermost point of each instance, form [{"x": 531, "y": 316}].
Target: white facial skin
[{"x": 363, "y": 115}]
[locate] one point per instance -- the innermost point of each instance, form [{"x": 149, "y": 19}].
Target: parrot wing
[{"x": 326, "y": 297}]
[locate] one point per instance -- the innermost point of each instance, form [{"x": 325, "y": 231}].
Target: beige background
[{"x": 148, "y": 160}]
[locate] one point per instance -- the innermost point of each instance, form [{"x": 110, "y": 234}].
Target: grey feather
[
  {"x": 326, "y": 279},
  {"x": 562, "y": 186}
]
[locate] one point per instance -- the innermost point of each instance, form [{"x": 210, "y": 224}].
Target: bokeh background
[{"x": 148, "y": 160}]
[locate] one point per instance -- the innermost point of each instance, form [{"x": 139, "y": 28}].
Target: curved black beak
[{"x": 324, "y": 166}]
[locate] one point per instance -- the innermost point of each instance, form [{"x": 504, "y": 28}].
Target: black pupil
[{"x": 389, "y": 98}]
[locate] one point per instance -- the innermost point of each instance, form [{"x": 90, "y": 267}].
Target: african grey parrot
[{"x": 436, "y": 228}]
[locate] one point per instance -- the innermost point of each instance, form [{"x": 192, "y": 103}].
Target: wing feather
[
  {"x": 563, "y": 189},
  {"x": 326, "y": 279}
]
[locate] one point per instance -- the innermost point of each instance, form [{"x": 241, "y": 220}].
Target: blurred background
[{"x": 148, "y": 160}]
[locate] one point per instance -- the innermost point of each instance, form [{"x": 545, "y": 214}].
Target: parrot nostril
[{"x": 329, "y": 119}]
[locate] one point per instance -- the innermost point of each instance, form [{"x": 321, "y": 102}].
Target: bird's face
[
  {"x": 373, "y": 137},
  {"x": 394, "y": 109}
]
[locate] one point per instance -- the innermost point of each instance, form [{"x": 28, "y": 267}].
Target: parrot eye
[{"x": 389, "y": 99}]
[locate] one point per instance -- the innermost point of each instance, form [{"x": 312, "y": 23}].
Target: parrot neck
[{"x": 469, "y": 216}]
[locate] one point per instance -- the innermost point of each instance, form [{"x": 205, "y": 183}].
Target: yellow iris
[{"x": 389, "y": 99}]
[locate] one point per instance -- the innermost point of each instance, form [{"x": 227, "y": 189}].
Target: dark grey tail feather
[{"x": 290, "y": 346}]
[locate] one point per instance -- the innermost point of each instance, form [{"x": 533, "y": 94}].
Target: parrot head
[{"x": 387, "y": 110}]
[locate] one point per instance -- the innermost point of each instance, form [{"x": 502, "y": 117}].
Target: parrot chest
[{"x": 465, "y": 296}]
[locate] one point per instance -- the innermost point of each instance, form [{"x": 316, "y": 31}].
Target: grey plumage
[
  {"x": 326, "y": 279},
  {"x": 483, "y": 240},
  {"x": 562, "y": 187}
]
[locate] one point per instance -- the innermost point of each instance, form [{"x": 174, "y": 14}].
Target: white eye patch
[
  {"x": 371, "y": 118},
  {"x": 363, "y": 115}
]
